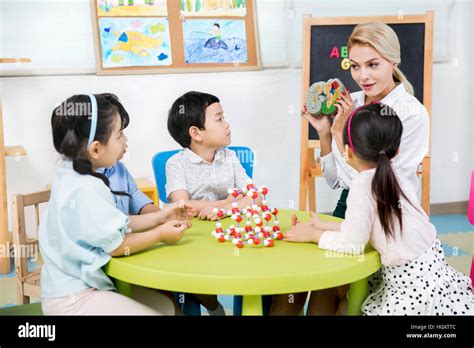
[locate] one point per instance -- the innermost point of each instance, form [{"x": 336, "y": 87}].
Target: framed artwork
[{"x": 168, "y": 36}]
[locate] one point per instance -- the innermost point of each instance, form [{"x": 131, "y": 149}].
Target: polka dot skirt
[{"x": 425, "y": 286}]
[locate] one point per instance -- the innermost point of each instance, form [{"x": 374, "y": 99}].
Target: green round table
[{"x": 200, "y": 264}]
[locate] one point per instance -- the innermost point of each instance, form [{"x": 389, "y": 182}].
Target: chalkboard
[{"x": 329, "y": 40}]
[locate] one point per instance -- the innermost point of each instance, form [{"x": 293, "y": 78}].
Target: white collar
[
  {"x": 194, "y": 158},
  {"x": 390, "y": 99}
]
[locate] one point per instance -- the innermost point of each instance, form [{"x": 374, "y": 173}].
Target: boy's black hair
[{"x": 188, "y": 111}]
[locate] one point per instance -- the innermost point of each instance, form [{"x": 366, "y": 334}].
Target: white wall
[
  {"x": 57, "y": 34},
  {"x": 258, "y": 105},
  {"x": 452, "y": 119}
]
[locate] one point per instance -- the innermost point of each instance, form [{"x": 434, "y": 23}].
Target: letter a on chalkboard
[{"x": 334, "y": 53}]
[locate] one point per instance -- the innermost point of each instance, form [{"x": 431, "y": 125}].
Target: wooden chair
[{"x": 28, "y": 283}]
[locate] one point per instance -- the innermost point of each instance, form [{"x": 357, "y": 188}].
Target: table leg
[
  {"x": 123, "y": 287},
  {"x": 357, "y": 294},
  {"x": 252, "y": 305}
]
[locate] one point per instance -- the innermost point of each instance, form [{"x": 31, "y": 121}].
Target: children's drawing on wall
[
  {"x": 214, "y": 41},
  {"x": 214, "y": 8},
  {"x": 128, "y": 42},
  {"x": 126, "y": 8}
]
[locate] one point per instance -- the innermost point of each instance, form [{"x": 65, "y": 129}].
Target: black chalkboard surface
[{"x": 325, "y": 38}]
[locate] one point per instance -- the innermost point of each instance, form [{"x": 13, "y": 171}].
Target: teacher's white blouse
[{"x": 414, "y": 143}]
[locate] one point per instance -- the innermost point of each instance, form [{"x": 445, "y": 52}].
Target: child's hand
[
  {"x": 231, "y": 198},
  {"x": 172, "y": 231},
  {"x": 178, "y": 211},
  {"x": 207, "y": 214},
  {"x": 344, "y": 107},
  {"x": 303, "y": 233},
  {"x": 316, "y": 221},
  {"x": 321, "y": 123},
  {"x": 294, "y": 220}
]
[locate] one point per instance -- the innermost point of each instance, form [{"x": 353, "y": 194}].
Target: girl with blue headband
[{"x": 82, "y": 228}]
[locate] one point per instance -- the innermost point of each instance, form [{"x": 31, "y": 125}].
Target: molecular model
[{"x": 254, "y": 233}]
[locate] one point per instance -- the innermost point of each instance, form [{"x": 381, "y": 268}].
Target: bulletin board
[{"x": 172, "y": 36}]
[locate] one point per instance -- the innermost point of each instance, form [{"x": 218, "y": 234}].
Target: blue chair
[{"x": 246, "y": 157}]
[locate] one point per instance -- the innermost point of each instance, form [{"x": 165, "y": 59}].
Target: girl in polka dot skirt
[{"x": 383, "y": 210}]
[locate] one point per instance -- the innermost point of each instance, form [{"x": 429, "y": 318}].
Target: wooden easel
[
  {"x": 310, "y": 168},
  {"x": 6, "y": 151}
]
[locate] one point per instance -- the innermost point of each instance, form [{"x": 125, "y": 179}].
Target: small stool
[{"x": 149, "y": 189}]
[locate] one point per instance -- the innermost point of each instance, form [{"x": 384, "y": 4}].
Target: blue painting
[
  {"x": 127, "y": 42},
  {"x": 214, "y": 41}
]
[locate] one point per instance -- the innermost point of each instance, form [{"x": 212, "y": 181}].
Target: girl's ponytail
[
  {"x": 84, "y": 166},
  {"x": 387, "y": 192},
  {"x": 70, "y": 144},
  {"x": 374, "y": 132}
]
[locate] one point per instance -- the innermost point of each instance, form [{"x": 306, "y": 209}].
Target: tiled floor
[{"x": 454, "y": 231}]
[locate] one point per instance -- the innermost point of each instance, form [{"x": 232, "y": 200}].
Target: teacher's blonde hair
[{"x": 384, "y": 40}]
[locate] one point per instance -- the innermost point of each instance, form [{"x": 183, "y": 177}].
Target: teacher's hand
[
  {"x": 344, "y": 107},
  {"x": 321, "y": 123}
]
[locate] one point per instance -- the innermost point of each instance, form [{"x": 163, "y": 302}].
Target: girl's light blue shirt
[{"x": 81, "y": 225}]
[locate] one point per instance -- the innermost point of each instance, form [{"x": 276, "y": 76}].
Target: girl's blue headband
[{"x": 93, "y": 120}]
